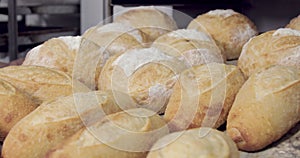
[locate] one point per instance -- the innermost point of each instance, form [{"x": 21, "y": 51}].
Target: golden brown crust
[
  {"x": 294, "y": 23},
  {"x": 53, "y": 122},
  {"x": 212, "y": 93},
  {"x": 14, "y": 105},
  {"x": 229, "y": 32},
  {"x": 270, "y": 48},
  {"x": 128, "y": 126},
  {"x": 265, "y": 108},
  {"x": 150, "y": 20},
  {"x": 41, "y": 83}
]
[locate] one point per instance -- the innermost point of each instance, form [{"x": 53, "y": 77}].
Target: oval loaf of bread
[
  {"x": 195, "y": 143},
  {"x": 266, "y": 107},
  {"x": 203, "y": 96},
  {"x": 294, "y": 23},
  {"x": 127, "y": 134},
  {"x": 54, "y": 121}
]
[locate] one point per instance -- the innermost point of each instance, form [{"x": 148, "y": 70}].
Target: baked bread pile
[{"x": 139, "y": 87}]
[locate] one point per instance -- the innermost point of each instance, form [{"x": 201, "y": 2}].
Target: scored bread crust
[
  {"x": 41, "y": 83},
  {"x": 127, "y": 126},
  {"x": 213, "y": 92},
  {"x": 265, "y": 108},
  {"x": 193, "y": 46},
  {"x": 54, "y": 121},
  {"x": 230, "y": 30},
  {"x": 294, "y": 23},
  {"x": 14, "y": 105},
  {"x": 277, "y": 47},
  {"x": 150, "y": 20}
]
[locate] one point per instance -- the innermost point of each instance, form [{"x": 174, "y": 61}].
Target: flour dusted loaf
[
  {"x": 127, "y": 134},
  {"x": 278, "y": 47},
  {"x": 194, "y": 47},
  {"x": 150, "y": 20},
  {"x": 14, "y": 105},
  {"x": 195, "y": 143},
  {"x": 146, "y": 76},
  {"x": 203, "y": 96},
  {"x": 294, "y": 23},
  {"x": 41, "y": 83},
  {"x": 54, "y": 121},
  {"x": 265, "y": 108},
  {"x": 230, "y": 30}
]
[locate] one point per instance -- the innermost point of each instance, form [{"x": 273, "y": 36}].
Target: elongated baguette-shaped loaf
[
  {"x": 150, "y": 20},
  {"x": 55, "y": 121},
  {"x": 193, "y": 46},
  {"x": 195, "y": 143},
  {"x": 127, "y": 134},
  {"x": 278, "y": 47},
  {"x": 266, "y": 107},
  {"x": 14, "y": 105},
  {"x": 41, "y": 83},
  {"x": 203, "y": 96}
]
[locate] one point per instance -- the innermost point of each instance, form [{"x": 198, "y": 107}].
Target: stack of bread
[{"x": 139, "y": 87}]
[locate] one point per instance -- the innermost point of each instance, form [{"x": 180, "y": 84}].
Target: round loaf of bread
[
  {"x": 41, "y": 83},
  {"x": 54, "y": 121},
  {"x": 146, "y": 76},
  {"x": 271, "y": 48},
  {"x": 230, "y": 30},
  {"x": 127, "y": 134},
  {"x": 266, "y": 107},
  {"x": 203, "y": 96},
  {"x": 14, "y": 105},
  {"x": 150, "y": 20},
  {"x": 294, "y": 23},
  {"x": 116, "y": 37},
  {"x": 194, "y": 47},
  {"x": 195, "y": 143}
]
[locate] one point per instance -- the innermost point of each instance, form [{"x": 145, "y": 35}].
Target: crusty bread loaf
[
  {"x": 194, "y": 47},
  {"x": 14, "y": 105},
  {"x": 54, "y": 121},
  {"x": 199, "y": 142},
  {"x": 265, "y": 108},
  {"x": 58, "y": 53},
  {"x": 127, "y": 134},
  {"x": 294, "y": 23},
  {"x": 146, "y": 76},
  {"x": 230, "y": 30},
  {"x": 270, "y": 48},
  {"x": 203, "y": 96},
  {"x": 116, "y": 37},
  {"x": 150, "y": 20},
  {"x": 41, "y": 83}
]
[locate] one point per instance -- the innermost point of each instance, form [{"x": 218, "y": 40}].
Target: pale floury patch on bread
[
  {"x": 265, "y": 108},
  {"x": 73, "y": 42},
  {"x": 230, "y": 29},
  {"x": 222, "y": 12},
  {"x": 282, "y": 32},
  {"x": 190, "y": 143},
  {"x": 190, "y": 34}
]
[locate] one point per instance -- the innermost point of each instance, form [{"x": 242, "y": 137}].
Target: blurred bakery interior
[{"x": 25, "y": 24}]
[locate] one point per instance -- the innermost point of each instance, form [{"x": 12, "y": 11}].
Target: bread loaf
[
  {"x": 195, "y": 143},
  {"x": 116, "y": 37},
  {"x": 203, "y": 96},
  {"x": 146, "y": 76},
  {"x": 127, "y": 134},
  {"x": 150, "y": 20},
  {"x": 294, "y": 23},
  {"x": 265, "y": 108},
  {"x": 281, "y": 47},
  {"x": 230, "y": 30},
  {"x": 41, "y": 83},
  {"x": 77, "y": 56},
  {"x": 194, "y": 47},
  {"x": 14, "y": 105},
  {"x": 54, "y": 121}
]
